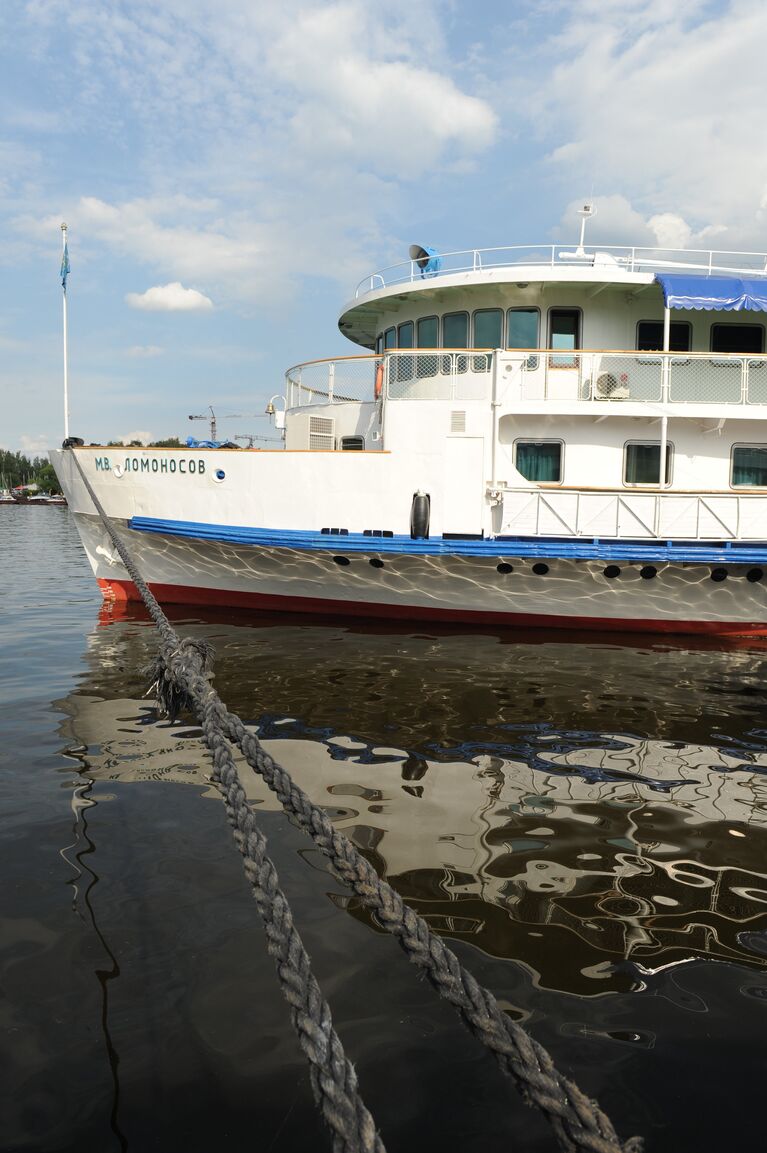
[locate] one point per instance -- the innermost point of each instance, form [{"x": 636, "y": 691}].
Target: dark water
[{"x": 587, "y": 823}]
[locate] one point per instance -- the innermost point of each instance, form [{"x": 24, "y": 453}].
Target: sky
[{"x": 230, "y": 169}]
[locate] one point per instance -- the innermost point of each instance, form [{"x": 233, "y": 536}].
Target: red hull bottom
[{"x": 118, "y": 591}]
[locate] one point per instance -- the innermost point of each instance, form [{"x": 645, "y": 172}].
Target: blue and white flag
[{"x": 65, "y": 267}]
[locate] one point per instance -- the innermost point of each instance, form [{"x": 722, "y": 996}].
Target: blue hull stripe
[{"x": 683, "y": 552}]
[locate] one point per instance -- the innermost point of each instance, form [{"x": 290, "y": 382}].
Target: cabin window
[
  {"x": 353, "y": 443},
  {"x": 650, "y": 336},
  {"x": 455, "y": 330},
  {"x": 565, "y": 334},
  {"x": 539, "y": 460},
  {"x": 390, "y": 338},
  {"x": 379, "y": 344},
  {"x": 641, "y": 462},
  {"x": 405, "y": 335},
  {"x": 749, "y": 465},
  {"x": 488, "y": 328},
  {"x": 742, "y": 338},
  {"x": 522, "y": 327},
  {"x": 427, "y": 332}
]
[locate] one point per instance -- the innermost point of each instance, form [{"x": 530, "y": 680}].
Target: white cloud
[
  {"x": 169, "y": 298},
  {"x": 142, "y": 434},
  {"x": 660, "y": 104},
  {"x": 34, "y": 445},
  {"x": 143, "y": 351}
]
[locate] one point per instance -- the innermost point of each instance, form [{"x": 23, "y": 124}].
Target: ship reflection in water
[{"x": 597, "y": 812}]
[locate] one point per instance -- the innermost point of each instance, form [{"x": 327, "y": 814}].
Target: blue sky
[{"x": 229, "y": 169}]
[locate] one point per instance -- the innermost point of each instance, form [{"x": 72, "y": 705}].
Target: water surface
[{"x": 585, "y": 820}]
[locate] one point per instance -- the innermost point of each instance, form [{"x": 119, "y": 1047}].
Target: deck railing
[
  {"x": 634, "y": 515},
  {"x": 533, "y": 375},
  {"x": 705, "y": 262}
]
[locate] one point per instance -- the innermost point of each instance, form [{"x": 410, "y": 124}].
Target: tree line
[{"x": 18, "y": 469}]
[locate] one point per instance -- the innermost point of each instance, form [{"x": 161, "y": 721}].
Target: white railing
[
  {"x": 436, "y": 374},
  {"x": 532, "y": 375},
  {"x": 672, "y": 378},
  {"x": 334, "y": 381},
  {"x": 634, "y": 515},
  {"x": 634, "y": 259}
]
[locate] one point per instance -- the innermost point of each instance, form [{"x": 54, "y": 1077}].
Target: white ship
[{"x": 568, "y": 438}]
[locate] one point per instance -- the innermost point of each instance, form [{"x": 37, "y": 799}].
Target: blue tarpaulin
[{"x": 713, "y": 293}]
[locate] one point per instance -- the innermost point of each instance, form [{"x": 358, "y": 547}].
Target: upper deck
[{"x": 596, "y": 280}]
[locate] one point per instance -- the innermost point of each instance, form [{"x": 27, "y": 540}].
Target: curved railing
[
  {"x": 532, "y": 375},
  {"x": 634, "y": 259}
]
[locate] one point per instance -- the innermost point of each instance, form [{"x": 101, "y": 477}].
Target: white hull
[{"x": 571, "y": 593}]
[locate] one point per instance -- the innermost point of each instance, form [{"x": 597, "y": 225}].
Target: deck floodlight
[{"x": 428, "y": 259}]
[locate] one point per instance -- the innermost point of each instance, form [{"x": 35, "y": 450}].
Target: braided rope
[{"x": 182, "y": 682}]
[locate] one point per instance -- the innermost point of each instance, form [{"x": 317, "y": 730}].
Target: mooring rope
[{"x": 182, "y": 681}]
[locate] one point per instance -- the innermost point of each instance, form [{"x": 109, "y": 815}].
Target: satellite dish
[{"x": 427, "y": 259}]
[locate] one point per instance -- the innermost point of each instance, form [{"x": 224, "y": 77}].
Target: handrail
[{"x": 630, "y": 259}]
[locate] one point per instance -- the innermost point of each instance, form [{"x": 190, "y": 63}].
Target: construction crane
[
  {"x": 229, "y": 416},
  {"x": 211, "y": 418},
  {"x": 251, "y": 437}
]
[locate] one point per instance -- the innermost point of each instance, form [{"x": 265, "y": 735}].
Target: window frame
[
  {"x": 722, "y": 324},
  {"x": 533, "y": 360},
  {"x": 420, "y": 320},
  {"x": 674, "y": 324},
  {"x": 404, "y": 324},
  {"x": 542, "y": 440},
  {"x": 393, "y": 331},
  {"x": 455, "y": 347},
  {"x": 745, "y": 444},
  {"x": 473, "y": 329},
  {"x": 352, "y": 448},
  {"x": 649, "y": 484},
  {"x": 572, "y": 354}
]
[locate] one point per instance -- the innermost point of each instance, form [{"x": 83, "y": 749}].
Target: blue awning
[{"x": 713, "y": 293}]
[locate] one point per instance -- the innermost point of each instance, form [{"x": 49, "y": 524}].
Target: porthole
[
  {"x": 719, "y": 574},
  {"x": 220, "y": 474},
  {"x": 504, "y": 568},
  {"x": 342, "y": 560},
  {"x": 611, "y": 571},
  {"x": 647, "y": 572},
  {"x": 376, "y": 562},
  {"x": 540, "y": 569},
  {"x": 754, "y": 574}
]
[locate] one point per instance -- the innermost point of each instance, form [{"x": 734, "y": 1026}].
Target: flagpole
[{"x": 64, "y": 270}]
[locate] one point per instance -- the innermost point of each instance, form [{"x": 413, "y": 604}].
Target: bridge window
[
  {"x": 650, "y": 336},
  {"x": 749, "y": 465},
  {"x": 427, "y": 332},
  {"x": 488, "y": 328},
  {"x": 390, "y": 338},
  {"x": 539, "y": 460},
  {"x": 565, "y": 334},
  {"x": 642, "y": 462},
  {"x": 405, "y": 335},
  {"x": 737, "y": 338},
  {"x": 522, "y": 331},
  {"x": 455, "y": 330}
]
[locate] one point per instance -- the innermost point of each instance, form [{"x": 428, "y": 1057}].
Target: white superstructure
[{"x": 565, "y": 437}]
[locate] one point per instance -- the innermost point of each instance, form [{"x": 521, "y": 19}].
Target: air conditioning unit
[
  {"x": 312, "y": 432},
  {"x": 608, "y": 386}
]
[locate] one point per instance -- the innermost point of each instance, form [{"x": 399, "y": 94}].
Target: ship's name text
[{"x": 182, "y": 464}]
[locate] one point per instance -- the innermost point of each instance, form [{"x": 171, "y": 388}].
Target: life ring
[{"x": 378, "y": 386}]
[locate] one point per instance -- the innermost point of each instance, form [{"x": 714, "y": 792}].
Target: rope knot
[{"x": 173, "y": 669}]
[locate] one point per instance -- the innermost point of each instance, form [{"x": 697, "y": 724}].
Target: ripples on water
[{"x": 585, "y": 821}]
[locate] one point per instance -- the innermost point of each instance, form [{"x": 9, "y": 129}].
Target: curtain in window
[
  {"x": 749, "y": 467},
  {"x": 643, "y": 463},
  {"x": 540, "y": 462}
]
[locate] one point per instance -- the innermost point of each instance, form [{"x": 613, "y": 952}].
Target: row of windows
[
  {"x": 520, "y": 328},
  {"x": 542, "y": 461}
]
